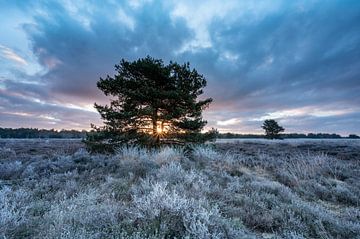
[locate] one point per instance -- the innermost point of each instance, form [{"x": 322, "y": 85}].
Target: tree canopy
[
  {"x": 152, "y": 104},
  {"x": 272, "y": 129}
]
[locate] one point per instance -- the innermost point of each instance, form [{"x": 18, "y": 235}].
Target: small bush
[
  {"x": 10, "y": 169},
  {"x": 7, "y": 153},
  {"x": 87, "y": 213},
  {"x": 13, "y": 209},
  {"x": 165, "y": 213}
]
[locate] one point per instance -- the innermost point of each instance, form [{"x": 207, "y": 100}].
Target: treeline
[
  {"x": 288, "y": 136},
  {"x": 32, "y": 133}
]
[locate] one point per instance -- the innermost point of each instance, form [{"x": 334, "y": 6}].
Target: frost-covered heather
[
  {"x": 338, "y": 142},
  {"x": 56, "y": 189}
]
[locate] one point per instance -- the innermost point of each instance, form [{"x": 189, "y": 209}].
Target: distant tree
[
  {"x": 323, "y": 136},
  {"x": 272, "y": 129},
  {"x": 212, "y": 134},
  {"x": 354, "y": 136},
  {"x": 39, "y": 133},
  {"x": 151, "y": 104}
]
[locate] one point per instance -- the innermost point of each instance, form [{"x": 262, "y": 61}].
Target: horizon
[
  {"x": 295, "y": 62},
  {"x": 223, "y": 132}
]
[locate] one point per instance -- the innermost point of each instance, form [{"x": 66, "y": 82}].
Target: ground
[{"x": 230, "y": 189}]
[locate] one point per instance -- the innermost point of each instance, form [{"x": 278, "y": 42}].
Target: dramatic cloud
[
  {"x": 294, "y": 61},
  {"x": 11, "y": 55}
]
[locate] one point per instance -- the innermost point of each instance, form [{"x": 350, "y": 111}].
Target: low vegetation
[{"x": 56, "y": 189}]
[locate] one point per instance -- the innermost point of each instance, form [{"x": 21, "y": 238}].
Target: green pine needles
[
  {"x": 151, "y": 104},
  {"x": 272, "y": 129}
]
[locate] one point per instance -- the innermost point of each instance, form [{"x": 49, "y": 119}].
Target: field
[{"x": 230, "y": 189}]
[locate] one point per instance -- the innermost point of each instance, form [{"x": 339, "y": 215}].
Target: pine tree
[
  {"x": 152, "y": 104},
  {"x": 272, "y": 129}
]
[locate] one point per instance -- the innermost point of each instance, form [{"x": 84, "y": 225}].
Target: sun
[{"x": 159, "y": 130}]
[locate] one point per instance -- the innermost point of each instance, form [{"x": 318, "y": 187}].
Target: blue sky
[{"x": 294, "y": 61}]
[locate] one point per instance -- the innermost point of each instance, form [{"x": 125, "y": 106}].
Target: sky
[{"x": 297, "y": 62}]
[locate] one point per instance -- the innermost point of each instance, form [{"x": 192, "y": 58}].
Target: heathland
[{"x": 229, "y": 189}]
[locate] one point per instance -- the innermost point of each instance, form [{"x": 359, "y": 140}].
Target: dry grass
[{"x": 55, "y": 189}]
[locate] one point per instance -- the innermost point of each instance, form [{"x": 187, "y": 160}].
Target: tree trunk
[
  {"x": 154, "y": 124},
  {"x": 154, "y": 121}
]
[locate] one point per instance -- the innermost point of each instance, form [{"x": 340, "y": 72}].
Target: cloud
[
  {"x": 233, "y": 121},
  {"x": 296, "y": 61},
  {"x": 12, "y": 56},
  {"x": 24, "y": 111},
  {"x": 74, "y": 52}
]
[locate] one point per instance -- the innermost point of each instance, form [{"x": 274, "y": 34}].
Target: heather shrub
[
  {"x": 119, "y": 188},
  {"x": 329, "y": 190},
  {"x": 204, "y": 156},
  {"x": 10, "y": 169},
  {"x": 258, "y": 203},
  {"x": 81, "y": 156},
  {"x": 28, "y": 172},
  {"x": 172, "y": 173},
  {"x": 86, "y": 213},
  {"x": 307, "y": 166},
  {"x": 247, "y": 190},
  {"x": 168, "y": 154},
  {"x": 139, "y": 168},
  {"x": 132, "y": 153},
  {"x": 351, "y": 214},
  {"x": 271, "y": 207},
  {"x": 7, "y": 153},
  {"x": 42, "y": 167},
  {"x": 205, "y": 153},
  {"x": 165, "y": 213},
  {"x": 13, "y": 209}
]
